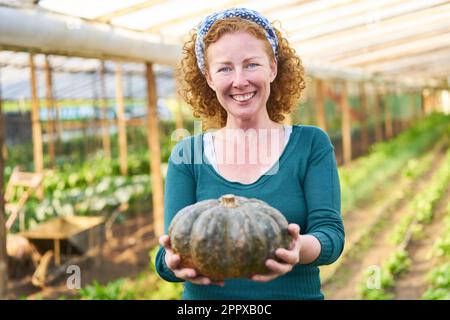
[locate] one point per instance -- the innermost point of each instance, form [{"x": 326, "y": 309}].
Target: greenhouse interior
[{"x": 90, "y": 113}]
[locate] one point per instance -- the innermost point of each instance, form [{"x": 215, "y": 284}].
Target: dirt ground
[
  {"x": 346, "y": 281},
  {"x": 125, "y": 254}
]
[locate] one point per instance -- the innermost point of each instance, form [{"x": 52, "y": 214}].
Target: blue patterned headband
[{"x": 243, "y": 13}]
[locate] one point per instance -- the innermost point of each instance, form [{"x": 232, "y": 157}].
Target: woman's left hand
[{"x": 289, "y": 257}]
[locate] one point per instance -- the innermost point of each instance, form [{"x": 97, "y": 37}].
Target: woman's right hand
[{"x": 188, "y": 274}]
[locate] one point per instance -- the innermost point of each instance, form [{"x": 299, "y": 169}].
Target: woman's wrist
[{"x": 310, "y": 249}]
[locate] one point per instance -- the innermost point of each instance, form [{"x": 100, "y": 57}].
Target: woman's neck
[
  {"x": 250, "y": 132},
  {"x": 254, "y": 142},
  {"x": 261, "y": 122}
]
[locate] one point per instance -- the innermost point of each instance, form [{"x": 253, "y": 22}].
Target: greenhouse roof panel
[
  {"x": 88, "y": 9},
  {"x": 364, "y": 36}
]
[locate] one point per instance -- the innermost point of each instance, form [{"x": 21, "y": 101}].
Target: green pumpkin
[{"x": 228, "y": 238}]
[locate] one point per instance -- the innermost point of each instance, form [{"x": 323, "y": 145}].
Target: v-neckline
[{"x": 262, "y": 177}]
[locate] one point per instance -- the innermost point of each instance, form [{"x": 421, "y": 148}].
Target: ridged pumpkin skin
[{"x": 228, "y": 238}]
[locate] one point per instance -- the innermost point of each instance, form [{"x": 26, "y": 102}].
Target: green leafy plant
[
  {"x": 398, "y": 263},
  {"x": 364, "y": 175},
  {"x": 439, "y": 279},
  {"x": 112, "y": 291}
]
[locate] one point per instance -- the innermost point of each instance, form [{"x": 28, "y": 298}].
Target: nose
[{"x": 240, "y": 79}]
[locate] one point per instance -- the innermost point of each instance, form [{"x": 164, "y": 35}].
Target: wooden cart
[{"x": 65, "y": 241}]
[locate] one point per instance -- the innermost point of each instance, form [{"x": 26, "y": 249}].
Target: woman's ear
[
  {"x": 209, "y": 80},
  {"x": 273, "y": 70}
]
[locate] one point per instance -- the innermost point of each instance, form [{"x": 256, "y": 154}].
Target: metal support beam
[{"x": 42, "y": 31}]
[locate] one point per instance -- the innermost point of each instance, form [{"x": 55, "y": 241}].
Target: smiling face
[{"x": 240, "y": 72}]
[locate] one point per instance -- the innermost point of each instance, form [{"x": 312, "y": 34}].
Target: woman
[{"x": 240, "y": 74}]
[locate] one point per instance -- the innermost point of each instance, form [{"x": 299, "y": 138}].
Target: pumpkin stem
[{"x": 228, "y": 201}]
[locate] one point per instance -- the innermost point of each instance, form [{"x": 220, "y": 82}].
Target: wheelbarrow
[{"x": 65, "y": 241}]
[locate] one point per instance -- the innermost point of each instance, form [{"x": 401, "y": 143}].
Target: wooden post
[
  {"x": 378, "y": 119},
  {"x": 346, "y": 124},
  {"x": 178, "y": 101},
  {"x": 395, "y": 114},
  {"x": 179, "y": 115},
  {"x": 363, "y": 122},
  {"x": 389, "y": 130},
  {"x": 121, "y": 124},
  {"x": 106, "y": 141},
  {"x": 320, "y": 104},
  {"x": 309, "y": 114},
  {"x": 58, "y": 127},
  {"x": 423, "y": 103},
  {"x": 418, "y": 111},
  {"x": 179, "y": 124},
  {"x": 132, "y": 131},
  {"x": 94, "y": 122},
  {"x": 427, "y": 97},
  {"x": 84, "y": 128},
  {"x": 3, "y": 254},
  {"x": 36, "y": 125},
  {"x": 4, "y": 148},
  {"x": 432, "y": 102},
  {"x": 406, "y": 115},
  {"x": 50, "y": 110},
  {"x": 5, "y": 152},
  {"x": 155, "y": 153},
  {"x": 57, "y": 249},
  {"x": 437, "y": 101},
  {"x": 412, "y": 109}
]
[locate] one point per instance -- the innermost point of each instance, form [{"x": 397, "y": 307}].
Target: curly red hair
[{"x": 285, "y": 90}]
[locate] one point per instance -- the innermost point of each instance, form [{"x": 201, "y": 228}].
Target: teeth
[{"x": 243, "y": 97}]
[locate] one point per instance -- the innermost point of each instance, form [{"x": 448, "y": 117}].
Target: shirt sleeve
[
  {"x": 179, "y": 192},
  {"x": 323, "y": 199}
]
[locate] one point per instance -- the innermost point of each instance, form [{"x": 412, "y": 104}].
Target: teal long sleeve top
[{"x": 303, "y": 185}]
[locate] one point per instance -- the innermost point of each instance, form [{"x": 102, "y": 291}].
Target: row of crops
[
  {"x": 384, "y": 160},
  {"x": 92, "y": 184},
  {"x": 84, "y": 148},
  {"x": 387, "y": 219},
  {"x": 411, "y": 228},
  {"x": 438, "y": 277}
]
